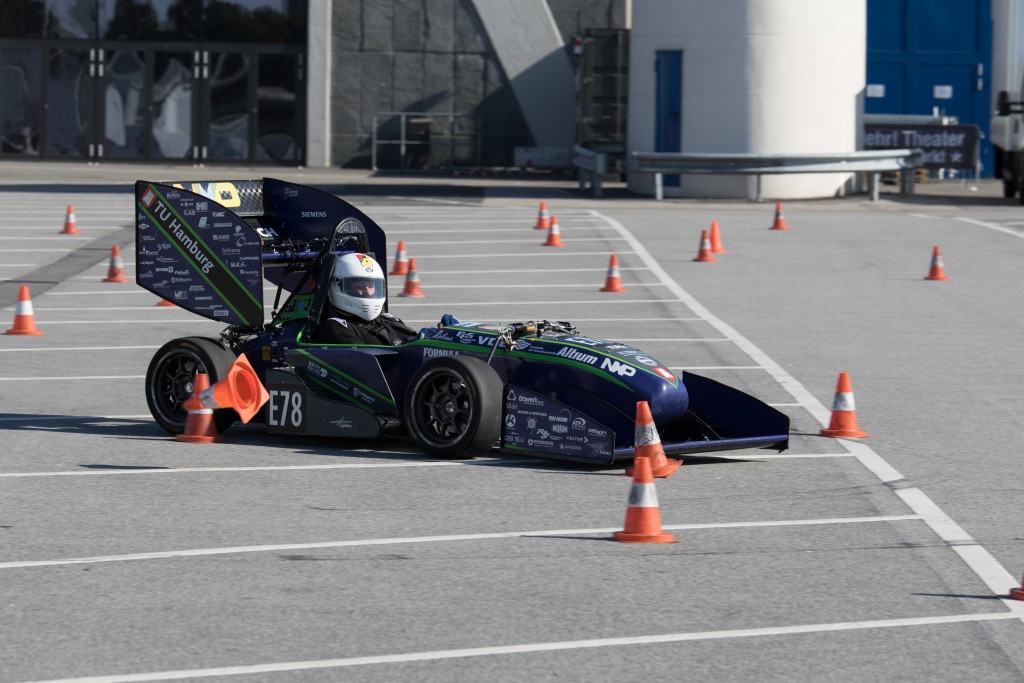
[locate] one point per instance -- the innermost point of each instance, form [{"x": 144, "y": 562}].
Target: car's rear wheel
[
  {"x": 171, "y": 375},
  {"x": 453, "y": 407}
]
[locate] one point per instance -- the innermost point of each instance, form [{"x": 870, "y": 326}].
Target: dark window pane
[
  {"x": 69, "y": 102},
  {"x": 276, "y": 108},
  {"x": 172, "y": 105},
  {"x": 19, "y": 102},
  {"x": 123, "y": 104},
  {"x": 164, "y": 20},
  {"x": 256, "y": 21},
  {"x": 70, "y": 19},
  {"x": 229, "y": 116}
]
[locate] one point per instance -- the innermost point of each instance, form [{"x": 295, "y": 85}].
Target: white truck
[{"x": 1006, "y": 127}]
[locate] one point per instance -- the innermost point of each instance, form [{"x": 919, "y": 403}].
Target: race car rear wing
[{"x": 207, "y": 246}]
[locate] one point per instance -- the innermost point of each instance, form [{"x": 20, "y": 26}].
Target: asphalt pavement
[{"x": 129, "y": 556}]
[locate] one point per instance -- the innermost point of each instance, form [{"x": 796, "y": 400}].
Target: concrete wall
[
  {"x": 430, "y": 56},
  {"x": 769, "y": 77}
]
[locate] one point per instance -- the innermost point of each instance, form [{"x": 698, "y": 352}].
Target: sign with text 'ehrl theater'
[{"x": 943, "y": 146}]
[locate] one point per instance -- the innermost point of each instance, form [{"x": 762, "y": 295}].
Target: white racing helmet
[{"x": 357, "y": 286}]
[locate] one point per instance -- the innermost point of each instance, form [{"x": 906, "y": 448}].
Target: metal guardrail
[
  {"x": 592, "y": 165},
  {"x": 872, "y": 162}
]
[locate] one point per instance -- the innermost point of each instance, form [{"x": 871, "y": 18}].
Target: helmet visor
[{"x": 362, "y": 287}]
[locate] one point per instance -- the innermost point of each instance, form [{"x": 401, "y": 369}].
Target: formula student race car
[{"x": 536, "y": 387}]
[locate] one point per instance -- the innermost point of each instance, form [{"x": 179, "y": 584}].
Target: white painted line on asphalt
[
  {"x": 548, "y": 251},
  {"x": 603, "y": 269},
  {"x": 537, "y": 241},
  {"x": 102, "y": 308},
  {"x": 136, "y": 290},
  {"x": 34, "y": 251},
  {"x": 533, "y": 648},
  {"x": 77, "y": 348},
  {"x": 194, "y": 321},
  {"x": 718, "y": 367},
  {"x": 920, "y": 215},
  {"x": 66, "y": 238},
  {"x": 277, "y": 468},
  {"x": 420, "y": 304},
  {"x": 992, "y": 226},
  {"x": 590, "y": 320},
  {"x": 595, "y": 286},
  {"x": 478, "y": 230},
  {"x": 980, "y": 561},
  {"x": 203, "y": 552},
  {"x": 73, "y": 418},
  {"x": 62, "y": 379},
  {"x": 673, "y": 339},
  {"x": 24, "y": 265},
  {"x": 771, "y": 456}
]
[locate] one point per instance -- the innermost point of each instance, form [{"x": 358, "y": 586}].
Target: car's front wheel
[
  {"x": 453, "y": 407},
  {"x": 170, "y": 380}
]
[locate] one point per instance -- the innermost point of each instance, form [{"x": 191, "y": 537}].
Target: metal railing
[
  {"x": 591, "y": 166},
  {"x": 872, "y": 162},
  {"x": 427, "y": 140}
]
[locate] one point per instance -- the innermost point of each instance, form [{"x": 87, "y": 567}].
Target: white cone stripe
[
  {"x": 613, "y": 271},
  {"x": 116, "y": 262},
  {"x": 937, "y": 261},
  {"x": 843, "y": 401},
  {"x": 202, "y": 411},
  {"x": 23, "y": 308},
  {"x": 207, "y": 399},
  {"x": 646, "y": 435},
  {"x": 643, "y": 496}
]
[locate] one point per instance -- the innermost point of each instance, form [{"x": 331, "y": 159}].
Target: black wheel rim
[
  {"x": 173, "y": 383},
  {"x": 443, "y": 406}
]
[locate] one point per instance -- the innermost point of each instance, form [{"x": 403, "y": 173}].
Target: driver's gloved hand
[{"x": 449, "y": 319}]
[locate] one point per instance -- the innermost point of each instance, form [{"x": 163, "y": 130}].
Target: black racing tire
[
  {"x": 453, "y": 407},
  {"x": 170, "y": 377}
]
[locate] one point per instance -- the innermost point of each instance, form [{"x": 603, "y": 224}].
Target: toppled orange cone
[
  {"x": 401, "y": 260},
  {"x": 240, "y": 390},
  {"x": 780, "y": 220},
  {"x": 1018, "y": 593},
  {"x": 704, "y": 253},
  {"x": 543, "y": 218},
  {"x": 716, "y": 240},
  {"x": 116, "y": 271},
  {"x": 199, "y": 425},
  {"x": 936, "y": 272},
  {"x": 412, "y": 282},
  {"x": 844, "y": 413},
  {"x": 24, "y": 317},
  {"x": 647, "y": 444},
  {"x": 613, "y": 283},
  {"x": 643, "y": 519},
  {"x": 554, "y": 234},
  {"x": 70, "y": 224}
]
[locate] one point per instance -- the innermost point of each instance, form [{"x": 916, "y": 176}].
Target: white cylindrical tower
[{"x": 758, "y": 76}]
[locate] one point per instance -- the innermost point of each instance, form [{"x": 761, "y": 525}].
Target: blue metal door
[
  {"x": 931, "y": 55},
  {"x": 668, "y": 105}
]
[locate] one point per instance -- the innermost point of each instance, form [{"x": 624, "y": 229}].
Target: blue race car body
[{"x": 535, "y": 387}]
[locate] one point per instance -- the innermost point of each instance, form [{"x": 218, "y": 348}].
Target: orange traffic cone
[
  {"x": 401, "y": 260},
  {"x": 70, "y": 226},
  {"x": 613, "y": 283},
  {"x": 716, "y": 240},
  {"x": 780, "y": 221},
  {"x": 543, "y": 218},
  {"x": 24, "y": 318},
  {"x": 704, "y": 253},
  {"x": 936, "y": 272},
  {"x": 844, "y": 413},
  {"x": 643, "y": 520},
  {"x": 165, "y": 302},
  {"x": 116, "y": 271},
  {"x": 554, "y": 238},
  {"x": 199, "y": 425},
  {"x": 412, "y": 282},
  {"x": 1018, "y": 593},
  {"x": 240, "y": 390},
  {"x": 647, "y": 444}
]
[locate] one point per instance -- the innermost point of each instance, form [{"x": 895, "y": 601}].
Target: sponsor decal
[
  {"x": 437, "y": 353},
  {"x": 225, "y": 194},
  {"x": 665, "y": 373},
  {"x": 620, "y": 369},
  {"x": 343, "y": 423},
  {"x": 587, "y": 341},
  {"x": 579, "y": 423},
  {"x": 510, "y": 421},
  {"x": 646, "y": 361},
  {"x": 316, "y": 369},
  {"x": 577, "y": 355},
  {"x": 314, "y": 214}
]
